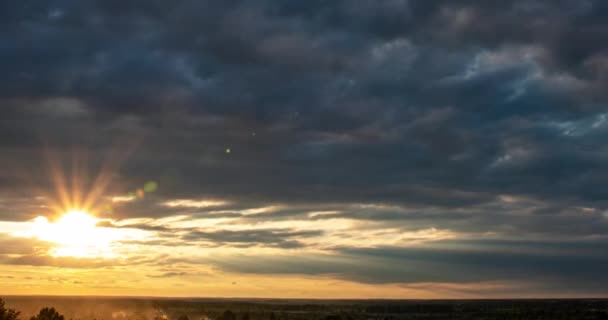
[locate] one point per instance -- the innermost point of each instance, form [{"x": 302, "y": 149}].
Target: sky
[{"x": 304, "y": 149}]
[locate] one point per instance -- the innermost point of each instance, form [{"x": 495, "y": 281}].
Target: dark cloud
[
  {"x": 62, "y": 262},
  {"x": 140, "y": 226},
  {"x": 558, "y": 265},
  {"x": 168, "y": 275},
  {"x": 267, "y": 237},
  {"x": 193, "y": 94},
  {"x": 12, "y": 246}
]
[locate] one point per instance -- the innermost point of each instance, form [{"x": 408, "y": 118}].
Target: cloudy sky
[{"x": 316, "y": 149}]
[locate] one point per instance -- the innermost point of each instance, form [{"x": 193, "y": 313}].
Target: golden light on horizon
[{"x": 75, "y": 234}]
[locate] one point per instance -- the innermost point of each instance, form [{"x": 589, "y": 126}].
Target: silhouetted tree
[
  {"x": 245, "y": 316},
  {"x": 7, "y": 314},
  {"x": 48, "y": 314},
  {"x": 228, "y": 315}
]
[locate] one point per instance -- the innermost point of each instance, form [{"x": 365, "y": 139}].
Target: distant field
[{"x": 89, "y": 308}]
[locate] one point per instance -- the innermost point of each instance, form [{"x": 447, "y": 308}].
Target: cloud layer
[{"x": 393, "y": 142}]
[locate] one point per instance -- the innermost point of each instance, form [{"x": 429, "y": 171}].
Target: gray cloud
[
  {"x": 268, "y": 237},
  {"x": 168, "y": 275},
  {"x": 558, "y": 264},
  {"x": 14, "y": 246}
]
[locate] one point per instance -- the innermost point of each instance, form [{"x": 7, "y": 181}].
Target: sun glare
[{"x": 76, "y": 235}]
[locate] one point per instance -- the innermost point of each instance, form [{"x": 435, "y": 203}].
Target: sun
[{"x": 75, "y": 234}]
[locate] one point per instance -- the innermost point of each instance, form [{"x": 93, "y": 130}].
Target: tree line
[
  {"x": 52, "y": 314},
  {"x": 44, "y": 314}
]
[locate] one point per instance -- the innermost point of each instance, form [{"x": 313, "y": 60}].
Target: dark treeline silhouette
[
  {"x": 7, "y": 314},
  {"x": 48, "y": 314},
  {"x": 44, "y": 314},
  {"x": 168, "y": 309}
]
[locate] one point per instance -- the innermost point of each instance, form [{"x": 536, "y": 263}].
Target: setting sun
[{"x": 75, "y": 235}]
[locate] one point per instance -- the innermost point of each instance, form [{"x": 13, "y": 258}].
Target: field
[{"x": 91, "y": 308}]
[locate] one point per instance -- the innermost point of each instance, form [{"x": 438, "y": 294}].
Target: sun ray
[
  {"x": 109, "y": 167},
  {"x": 78, "y": 178},
  {"x": 75, "y": 200},
  {"x": 59, "y": 182}
]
